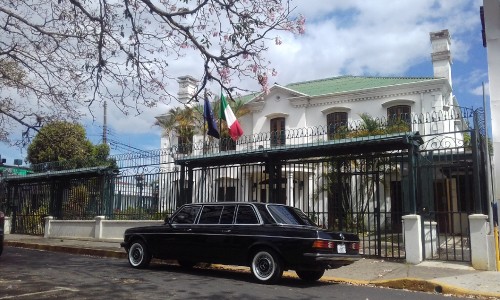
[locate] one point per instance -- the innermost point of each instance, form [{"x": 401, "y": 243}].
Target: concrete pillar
[
  {"x": 290, "y": 195},
  {"x": 7, "y": 225},
  {"x": 98, "y": 227},
  {"x": 413, "y": 239},
  {"x": 430, "y": 238},
  {"x": 482, "y": 245},
  {"x": 48, "y": 220}
]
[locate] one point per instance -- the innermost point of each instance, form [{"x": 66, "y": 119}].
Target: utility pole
[{"x": 105, "y": 126}]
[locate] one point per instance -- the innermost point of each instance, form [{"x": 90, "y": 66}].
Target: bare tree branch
[{"x": 59, "y": 57}]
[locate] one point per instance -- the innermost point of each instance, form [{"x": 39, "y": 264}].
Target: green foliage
[
  {"x": 62, "y": 141},
  {"x": 398, "y": 126},
  {"x": 371, "y": 126},
  {"x": 31, "y": 219},
  {"x": 138, "y": 213},
  {"x": 75, "y": 207}
]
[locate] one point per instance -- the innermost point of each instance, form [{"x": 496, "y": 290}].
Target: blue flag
[{"x": 209, "y": 118}]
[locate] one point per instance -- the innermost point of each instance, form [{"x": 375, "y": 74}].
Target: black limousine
[{"x": 269, "y": 238}]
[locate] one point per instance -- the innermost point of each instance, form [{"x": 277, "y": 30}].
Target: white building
[{"x": 316, "y": 105}]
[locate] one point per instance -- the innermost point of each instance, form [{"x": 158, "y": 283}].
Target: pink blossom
[
  {"x": 277, "y": 40},
  {"x": 301, "y": 24}
]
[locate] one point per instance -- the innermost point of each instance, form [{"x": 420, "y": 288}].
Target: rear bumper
[{"x": 333, "y": 260}]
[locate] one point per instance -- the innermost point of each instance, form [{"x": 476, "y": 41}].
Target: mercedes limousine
[{"x": 269, "y": 238}]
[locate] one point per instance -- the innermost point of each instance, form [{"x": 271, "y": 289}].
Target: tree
[
  {"x": 69, "y": 54},
  {"x": 62, "y": 141}
]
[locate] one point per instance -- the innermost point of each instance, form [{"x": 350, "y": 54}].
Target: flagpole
[
  {"x": 220, "y": 111},
  {"x": 204, "y": 124}
]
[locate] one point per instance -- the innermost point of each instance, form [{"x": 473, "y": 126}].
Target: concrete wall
[{"x": 98, "y": 229}]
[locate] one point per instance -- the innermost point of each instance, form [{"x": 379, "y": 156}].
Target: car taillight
[
  {"x": 355, "y": 246},
  {"x": 322, "y": 244}
]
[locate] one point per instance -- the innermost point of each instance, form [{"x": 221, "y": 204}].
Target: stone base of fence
[{"x": 98, "y": 229}]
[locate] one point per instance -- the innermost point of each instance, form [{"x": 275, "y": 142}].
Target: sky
[{"x": 343, "y": 37}]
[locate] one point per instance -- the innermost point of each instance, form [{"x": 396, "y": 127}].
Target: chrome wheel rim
[
  {"x": 263, "y": 265},
  {"x": 136, "y": 254}
]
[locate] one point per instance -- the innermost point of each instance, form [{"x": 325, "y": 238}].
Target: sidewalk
[{"x": 430, "y": 276}]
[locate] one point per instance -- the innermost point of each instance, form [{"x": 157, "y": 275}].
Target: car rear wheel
[
  {"x": 138, "y": 255},
  {"x": 310, "y": 276},
  {"x": 266, "y": 266}
]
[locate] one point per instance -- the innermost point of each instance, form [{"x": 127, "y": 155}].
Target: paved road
[{"x": 33, "y": 274}]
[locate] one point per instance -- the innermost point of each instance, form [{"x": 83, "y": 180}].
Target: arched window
[
  {"x": 278, "y": 135},
  {"x": 336, "y": 123},
  {"x": 399, "y": 112}
]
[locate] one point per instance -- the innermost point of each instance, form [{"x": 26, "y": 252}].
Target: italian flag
[{"x": 226, "y": 113}]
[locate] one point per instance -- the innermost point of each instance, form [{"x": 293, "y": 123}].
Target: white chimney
[
  {"x": 188, "y": 86},
  {"x": 441, "y": 55}
]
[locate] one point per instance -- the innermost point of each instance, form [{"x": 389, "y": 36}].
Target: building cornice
[{"x": 395, "y": 91}]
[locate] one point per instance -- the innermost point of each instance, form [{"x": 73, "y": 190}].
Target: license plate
[{"x": 341, "y": 248}]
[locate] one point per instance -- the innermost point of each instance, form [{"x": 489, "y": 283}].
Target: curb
[
  {"x": 68, "y": 249},
  {"x": 412, "y": 284}
]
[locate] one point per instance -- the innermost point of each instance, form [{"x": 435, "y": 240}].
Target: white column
[
  {"x": 482, "y": 245},
  {"x": 310, "y": 190},
  {"x": 48, "y": 220},
  {"x": 7, "y": 225},
  {"x": 290, "y": 194},
  {"x": 413, "y": 238},
  {"x": 98, "y": 227}
]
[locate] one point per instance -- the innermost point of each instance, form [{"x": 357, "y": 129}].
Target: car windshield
[{"x": 289, "y": 215}]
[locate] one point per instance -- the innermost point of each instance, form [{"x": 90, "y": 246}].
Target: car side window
[
  {"x": 227, "y": 214},
  {"x": 187, "y": 215},
  {"x": 246, "y": 215},
  {"x": 210, "y": 214}
]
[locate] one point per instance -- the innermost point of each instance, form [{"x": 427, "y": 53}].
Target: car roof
[{"x": 233, "y": 203}]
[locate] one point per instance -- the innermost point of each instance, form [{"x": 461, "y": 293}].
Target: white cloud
[
  {"x": 357, "y": 37},
  {"x": 478, "y": 91}
]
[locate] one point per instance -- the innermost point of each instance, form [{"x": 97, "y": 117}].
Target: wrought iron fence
[{"x": 343, "y": 181}]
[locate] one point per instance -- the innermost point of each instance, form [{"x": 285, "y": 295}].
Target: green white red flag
[{"x": 226, "y": 113}]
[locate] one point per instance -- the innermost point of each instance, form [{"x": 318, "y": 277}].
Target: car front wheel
[
  {"x": 266, "y": 266},
  {"x": 138, "y": 255},
  {"x": 310, "y": 276}
]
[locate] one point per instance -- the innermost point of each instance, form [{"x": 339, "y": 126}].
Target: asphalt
[{"x": 449, "y": 278}]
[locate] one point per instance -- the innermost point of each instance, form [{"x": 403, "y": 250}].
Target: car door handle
[
  {"x": 189, "y": 230},
  {"x": 226, "y": 230}
]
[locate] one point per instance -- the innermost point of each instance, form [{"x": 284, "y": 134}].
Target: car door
[
  {"x": 177, "y": 239},
  {"x": 244, "y": 232},
  {"x": 214, "y": 225}
]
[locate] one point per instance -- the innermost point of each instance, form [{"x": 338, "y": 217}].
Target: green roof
[{"x": 349, "y": 84}]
